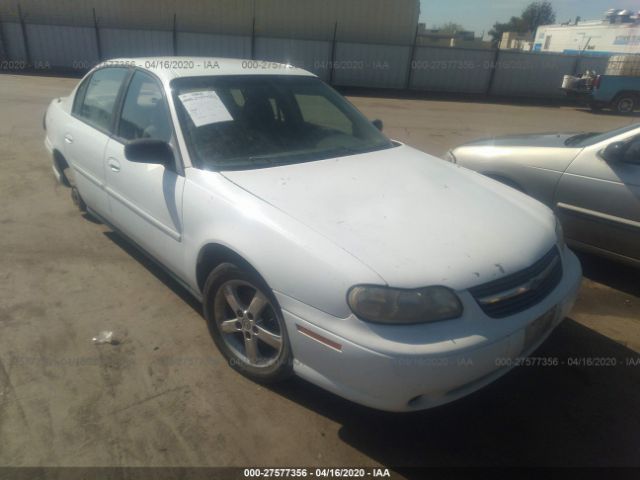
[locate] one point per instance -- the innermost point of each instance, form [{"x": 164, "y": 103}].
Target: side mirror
[
  {"x": 147, "y": 150},
  {"x": 614, "y": 152},
  {"x": 378, "y": 124}
]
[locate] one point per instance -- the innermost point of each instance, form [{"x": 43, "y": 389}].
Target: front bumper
[{"x": 394, "y": 369}]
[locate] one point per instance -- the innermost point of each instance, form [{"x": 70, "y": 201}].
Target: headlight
[
  {"x": 450, "y": 157},
  {"x": 400, "y": 306},
  {"x": 560, "y": 235}
]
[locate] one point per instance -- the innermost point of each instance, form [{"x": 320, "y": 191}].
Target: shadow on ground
[
  {"x": 154, "y": 269},
  {"x": 609, "y": 112},
  {"x": 569, "y": 415},
  {"x": 573, "y": 414},
  {"x": 615, "y": 275}
]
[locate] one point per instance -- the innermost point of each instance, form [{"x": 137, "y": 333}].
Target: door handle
[
  {"x": 114, "y": 164},
  {"x": 68, "y": 138}
]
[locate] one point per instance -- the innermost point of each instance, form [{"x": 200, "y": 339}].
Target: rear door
[
  {"x": 146, "y": 199},
  {"x": 87, "y": 132},
  {"x": 599, "y": 201}
]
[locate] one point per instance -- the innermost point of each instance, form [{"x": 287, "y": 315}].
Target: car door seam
[
  {"x": 89, "y": 176},
  {"x": 144, "y": 215}
]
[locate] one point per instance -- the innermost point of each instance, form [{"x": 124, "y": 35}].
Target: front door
[{"x": 146, "y": 199}]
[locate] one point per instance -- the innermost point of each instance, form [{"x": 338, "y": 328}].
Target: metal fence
[{"x": 424, "y": 68}]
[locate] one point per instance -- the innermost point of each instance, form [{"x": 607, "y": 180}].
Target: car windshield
[
  {"x": 588, "y": 139},
  {"x": 253, "y": 121}
]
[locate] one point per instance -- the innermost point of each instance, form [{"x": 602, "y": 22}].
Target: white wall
[
  {"x": 604, "y": 38},
  {"x": 501, "y": 73}
]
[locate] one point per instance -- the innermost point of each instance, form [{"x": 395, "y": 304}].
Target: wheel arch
[
  {"x": 634, "y": 94},
  {"x": 623, "y": 93},
  {"x": 61, "y": 165},
  {"x": 213, "y": 254}
]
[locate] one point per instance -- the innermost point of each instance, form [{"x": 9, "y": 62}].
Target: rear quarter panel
[{"x": 57, "y": 115}]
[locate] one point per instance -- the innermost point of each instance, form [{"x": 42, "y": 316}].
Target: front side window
[
  {"x": 253, "y": 121},
  {"x": 145, "y": 113},
  {"x": 99, "y": 100}
]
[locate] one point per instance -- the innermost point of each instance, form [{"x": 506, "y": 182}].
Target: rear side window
[
  {"x": 145, "y": 113},
  {"x": 99, "y": 100}
]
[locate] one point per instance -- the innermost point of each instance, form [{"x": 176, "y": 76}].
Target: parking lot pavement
[{"x": 164, "y": 396}]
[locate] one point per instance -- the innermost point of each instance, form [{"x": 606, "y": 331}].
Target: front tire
[{"x": 246, "y": 323}]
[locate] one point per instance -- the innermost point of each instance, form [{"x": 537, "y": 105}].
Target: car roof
[{"x": 168, "y": 68}]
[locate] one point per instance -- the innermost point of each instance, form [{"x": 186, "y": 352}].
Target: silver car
[{"x": 591, "y": 180}]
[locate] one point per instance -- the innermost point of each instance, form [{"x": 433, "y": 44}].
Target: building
[
  {"x": 516, "y": 41},
  {"x": 617, "y": 32},
  {"x": 439, "y": 38}
]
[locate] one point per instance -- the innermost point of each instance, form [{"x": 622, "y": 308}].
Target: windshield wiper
[
  {"x": 301, "y": 155},
  {"x": 274, "y": 159}
]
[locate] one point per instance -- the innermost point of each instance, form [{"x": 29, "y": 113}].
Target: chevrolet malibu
[{"x": 317, "y": 246}]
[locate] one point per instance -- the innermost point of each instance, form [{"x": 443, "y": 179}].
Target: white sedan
[{"x": 317, "y": 245}]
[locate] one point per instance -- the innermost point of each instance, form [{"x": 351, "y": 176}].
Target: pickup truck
[{"x": 620, "y": 93}]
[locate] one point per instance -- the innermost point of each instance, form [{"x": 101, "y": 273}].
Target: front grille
[{"x": 519, "y": 291}]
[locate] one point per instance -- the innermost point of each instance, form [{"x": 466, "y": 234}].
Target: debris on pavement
[{"x": 106, "y": 336}]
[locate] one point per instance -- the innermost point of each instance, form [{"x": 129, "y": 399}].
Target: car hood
[
  {"x": 548, "y": 140},
  {"x": 412, "y": 218}
]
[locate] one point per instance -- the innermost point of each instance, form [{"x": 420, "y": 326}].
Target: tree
[
  {"x": 538, "y": 13},
  {"x": 450, "y": 27},
  {"x": 513, "y": 25},
  {"x": 534, "y": 15}
]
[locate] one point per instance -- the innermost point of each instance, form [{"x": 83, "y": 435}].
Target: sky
[{"x": 479, "y": 15}]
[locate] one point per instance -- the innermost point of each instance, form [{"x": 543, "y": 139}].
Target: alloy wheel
[
  {"x": 626, "y": 105},
  {"x": 248, "y": 323}
]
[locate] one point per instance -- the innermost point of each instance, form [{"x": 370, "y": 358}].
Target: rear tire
[
  {"x": 246, "y": 323},
  {"x": 77, "y": 200},
  {"x": 625, "y": 103}
]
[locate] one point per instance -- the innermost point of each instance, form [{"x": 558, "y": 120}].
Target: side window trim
[
  {"x": 81, "y": 91},
  {"x": 122, "y": 95},
  {"x": 74, "y": 113}
]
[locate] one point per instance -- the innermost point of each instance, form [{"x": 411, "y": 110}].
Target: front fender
[
  {"x": 533, "y": 171},
  {"x": 292, "y": 258}
]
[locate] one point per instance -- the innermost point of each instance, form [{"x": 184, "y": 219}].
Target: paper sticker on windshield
[{"x": 205, "y": 108}]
